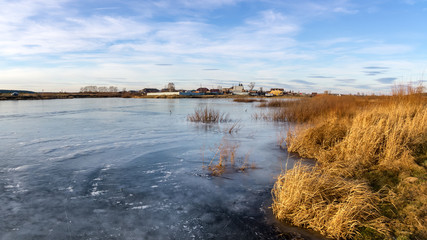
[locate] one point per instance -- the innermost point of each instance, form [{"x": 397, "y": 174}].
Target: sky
[{"x": 342, "y": 46}]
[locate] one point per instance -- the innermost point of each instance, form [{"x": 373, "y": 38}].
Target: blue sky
[{"x": 307, "y": 45}]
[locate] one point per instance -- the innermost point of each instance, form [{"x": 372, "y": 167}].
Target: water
[{"x": 132, "y": 169}]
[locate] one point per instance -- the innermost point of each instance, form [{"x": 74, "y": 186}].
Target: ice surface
[{"x": 128, "y": 169}]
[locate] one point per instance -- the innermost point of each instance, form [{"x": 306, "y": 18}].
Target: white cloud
[
  {"x": 345, "y": 10},
  {"x": 52, "y": 42},
  {"x": 273, "y": 23},
  {"x": 69, "y": 34}
]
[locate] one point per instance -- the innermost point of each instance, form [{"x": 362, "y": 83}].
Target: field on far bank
[
  {"x": 370, "y": 180},
  {"x": 65, "y": 95},
  {"x": 58, "y": 95}
]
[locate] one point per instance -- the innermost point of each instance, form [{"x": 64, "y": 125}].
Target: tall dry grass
[
  {"x": 384, "y": 144},
  {"x": 327, "y": 203},
  {"x": 208, "y": 115},
  {"x": 226, "y": 159},
  {"x": 385, "y": 135},
  {"x": 248, "y": 100},
  {"x": 310, "y": 109},
  {"x": 276, "y": 103},
  {"x": 233, "y": 127}
]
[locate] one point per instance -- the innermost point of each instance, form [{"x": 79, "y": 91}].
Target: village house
[
  {"x": 203, "y": 90},
  {"x": 277, "y": 91}
]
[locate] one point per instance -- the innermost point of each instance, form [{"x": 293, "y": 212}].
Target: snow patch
[{"x": 141, "y": 207}]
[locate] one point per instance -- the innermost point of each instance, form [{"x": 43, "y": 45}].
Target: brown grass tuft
[
  {"x": 261, "y": 116},
  {"x": 233, "y": 127},
  {"x": 208, "y": 115},
  {"x": 224, "y": 156},
  {"x": 245, "y": 100},
  {"x": 225, "y": 159},
  {"x": 276, "y": 103},
  {"x": 329, "y": 204}
]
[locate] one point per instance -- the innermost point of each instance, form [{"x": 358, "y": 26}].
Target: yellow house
[{"x": 277, "y": 91}]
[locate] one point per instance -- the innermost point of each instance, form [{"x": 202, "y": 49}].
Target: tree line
[{"x": 111, "y": 89}]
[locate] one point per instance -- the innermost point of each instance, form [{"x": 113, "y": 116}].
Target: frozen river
[{"x": 132, "y": 169}]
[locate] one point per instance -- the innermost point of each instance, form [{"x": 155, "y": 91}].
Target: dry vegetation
[
  {"x": 325, "y": 202},
  {"x": 63, "y": 95},
  {"x": 307, "y": 109},
  {"x": 370, "y": 181},
  {"x": 248, "y": 100},
  {"x": 208, "y": 115},
  {"x": 225, "y": 159},
  {"x": 234, "y": 127}
]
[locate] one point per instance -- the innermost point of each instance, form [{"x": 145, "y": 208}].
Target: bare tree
[
  {"x": 89, "y": 89},
  {"x": 98, "y": 89},
  {"x": 251, "y": 86},
  {"x": 102, "y": 89},
  {"x": 113, "y": 89}
]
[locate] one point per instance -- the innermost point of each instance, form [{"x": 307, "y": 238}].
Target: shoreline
[{"x": 48, "y": 96}]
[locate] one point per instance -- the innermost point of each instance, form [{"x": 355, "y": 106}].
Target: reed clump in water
[
  {"x": 246, "y": 100},
  {"x": 382, "y": 145},
  {"x": 233, "y": 127},
  {"x": 275, "y": 103},
  {"x": 208, "y": 115},
  {"x": 225, "y": 159}
]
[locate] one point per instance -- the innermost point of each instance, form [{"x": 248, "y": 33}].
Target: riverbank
[
  {"x": 45, "y": 96},
  {"x": 370, "y": 180}
]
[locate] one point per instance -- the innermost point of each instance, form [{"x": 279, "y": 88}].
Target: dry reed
[
  {"x": 233, "y": 127},
  {"x": 225, "y": 159},
  {"x": 208, "y": 115},
  {"x": 329, "y": 204},
  {"x": 383, "y": 136},
  {"x": 311, "y": 109},
  {"x": 275, "y": 103},
  {"x": 261, "y": 116},
  {"x": 384, "y": 144},
  {"x": 225, "y": 155},
  {"x": 245, "y": 100}
]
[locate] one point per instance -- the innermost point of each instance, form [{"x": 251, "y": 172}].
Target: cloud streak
[
  {"x": 302, "y": 82},
  {"x": 376, "y": 68},
  {"x": 386, "y": 80},
  {"x": 319, "y": 76}
]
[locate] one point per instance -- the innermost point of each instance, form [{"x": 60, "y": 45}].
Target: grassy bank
[
  {"x": 45, "y": 96},
  {"x": 370, "y": 180}
]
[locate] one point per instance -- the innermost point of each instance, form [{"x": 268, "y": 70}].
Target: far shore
[{"x": 46, "y": 96}]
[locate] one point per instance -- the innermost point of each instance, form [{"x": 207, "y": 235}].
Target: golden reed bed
[{"x": 370, "y": 180}]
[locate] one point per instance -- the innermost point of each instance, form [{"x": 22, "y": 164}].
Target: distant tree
[
  {"x": 113, "y": 89},
  {"x": 102, "y": 89},
  {"x": 89, "y": 89},
  {"x": 251, "y": 86},
  {"x": 99, "y": 89}
]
